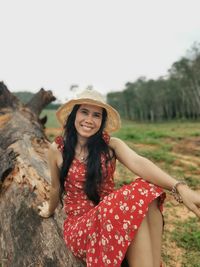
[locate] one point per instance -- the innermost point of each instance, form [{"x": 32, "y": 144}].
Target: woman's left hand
[
  {"x": 191, "y": 199},
  {"x": 44, "y": 210}
]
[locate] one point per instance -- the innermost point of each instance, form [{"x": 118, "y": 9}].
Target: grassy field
[
  {"x": 52, "y": 121},
  {"x": 175, "y": 147}
]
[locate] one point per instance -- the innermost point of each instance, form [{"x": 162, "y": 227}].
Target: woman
[{"x": 103, "y": 225}]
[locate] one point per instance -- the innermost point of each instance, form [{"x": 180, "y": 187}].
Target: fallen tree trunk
[{"x": 26, "y": 239}]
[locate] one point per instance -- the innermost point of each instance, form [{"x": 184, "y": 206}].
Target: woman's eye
[
  {"x": 83, "y": 111},
  {"x": 97, "y": 115}
]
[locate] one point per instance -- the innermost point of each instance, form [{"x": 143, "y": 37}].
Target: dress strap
[
  {"x": 60, "y": 142},
  {"x": 106, "y": 137}
]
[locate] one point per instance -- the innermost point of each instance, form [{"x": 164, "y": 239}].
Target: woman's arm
[
  {"x": 140, "y": 165},
  {"x": 152, "y": 173},
  {"x": 54, "y": 157}
]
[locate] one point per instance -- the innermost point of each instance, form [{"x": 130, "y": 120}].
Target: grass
[
  {"x": 52, "y": 121},
  {"x": 149, "y": 132},
  {"x": 187, "y": 236},
  {"x": 193, "y": 183},
  {"x": 157, "y": 154}
]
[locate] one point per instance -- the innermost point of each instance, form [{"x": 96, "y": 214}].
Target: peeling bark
[{"x": 26, "y": 239}]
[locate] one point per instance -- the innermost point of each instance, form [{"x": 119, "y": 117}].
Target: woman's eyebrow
[
  {"x": 84, "y": 109},
  {"x": 95, "y": 112}
]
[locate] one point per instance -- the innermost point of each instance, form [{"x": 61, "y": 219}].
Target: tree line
[{"x": 175, "y": 96}]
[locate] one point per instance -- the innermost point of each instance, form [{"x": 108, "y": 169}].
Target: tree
[{"x": 26, "y": 238}]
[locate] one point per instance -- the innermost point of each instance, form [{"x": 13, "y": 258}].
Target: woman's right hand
[
  {"x": 191, "y": 199},
  {"x": 44, "y": 210}
]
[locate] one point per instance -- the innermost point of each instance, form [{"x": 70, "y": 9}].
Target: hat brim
[{"x": 113, "y": 122}]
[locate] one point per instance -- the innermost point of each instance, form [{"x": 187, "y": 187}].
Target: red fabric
[{"x": 100, "y": 235}]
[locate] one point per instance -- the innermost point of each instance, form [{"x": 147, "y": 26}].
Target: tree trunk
[{"x": 26, "y": 239}]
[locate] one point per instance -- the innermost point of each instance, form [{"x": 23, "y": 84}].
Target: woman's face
[{"x": 88, "y": 120}]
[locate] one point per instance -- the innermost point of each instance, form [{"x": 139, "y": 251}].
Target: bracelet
[{"x": 175, "y": 192}]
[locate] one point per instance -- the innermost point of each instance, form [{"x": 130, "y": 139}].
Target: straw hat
[{"x": 91, "y": 97}]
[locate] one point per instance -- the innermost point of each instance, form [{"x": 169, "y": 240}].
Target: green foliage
[
  {"x": 196, "y": 134},
  {"x": 52, "y": 121},
  {"x": 53, "y": 106},
  {"x": 24, "y": 97}
]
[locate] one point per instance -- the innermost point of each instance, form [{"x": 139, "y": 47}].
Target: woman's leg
[
  {"x": 139, "y": 253},
  {"x": 145, "y": 249},
  {"x": 155, "y": 223}
]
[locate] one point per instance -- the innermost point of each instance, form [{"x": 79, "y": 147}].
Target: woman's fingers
[
  {"x": 196, "y": 211},
  {"x": 191, "y": 199},
  {"x": 44, "y": 214},
  {"x": 194, "y": 208},
  {"x": 44, "y": 210},
  {"x": 194, "y": 204}
]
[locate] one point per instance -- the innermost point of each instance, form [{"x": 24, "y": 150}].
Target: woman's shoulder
[
  {"x": 58, "y": 143},
  {"x": 55, "y": 152},
  {"x": 115, "y": 141}
]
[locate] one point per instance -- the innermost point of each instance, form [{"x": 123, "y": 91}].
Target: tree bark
[
  {"x": 40, "y": 100},
  {"x": 26, "y": 239}
]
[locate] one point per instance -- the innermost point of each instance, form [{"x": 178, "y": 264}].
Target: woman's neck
[
  {"x": 81, "y": 149},
  {"x": 81, "y": 142}
]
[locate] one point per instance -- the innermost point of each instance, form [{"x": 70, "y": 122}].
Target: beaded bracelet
[{"x": 175, "y": 192}]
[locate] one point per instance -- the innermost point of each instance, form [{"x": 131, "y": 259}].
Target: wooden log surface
[{"x": 26, "y": 239}]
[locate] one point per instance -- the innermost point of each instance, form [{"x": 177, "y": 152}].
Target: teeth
[{"x": 86, "y": 127}]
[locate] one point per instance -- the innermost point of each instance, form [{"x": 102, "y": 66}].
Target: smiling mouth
[{"x": 87, "y": 127}]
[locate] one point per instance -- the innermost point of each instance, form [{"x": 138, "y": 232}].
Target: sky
[{"x": 54, "y": 44}]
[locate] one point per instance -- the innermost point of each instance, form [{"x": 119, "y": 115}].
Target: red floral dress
[{"x": 101, "y": 234}]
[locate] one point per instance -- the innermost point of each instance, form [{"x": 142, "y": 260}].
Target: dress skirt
[{"x": 101, "y": 236}]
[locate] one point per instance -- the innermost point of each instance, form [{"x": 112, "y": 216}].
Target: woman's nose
[{"x": 88, "y": 119}]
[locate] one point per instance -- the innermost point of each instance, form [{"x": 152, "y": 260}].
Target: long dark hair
[{"x": 96, "y": 146}]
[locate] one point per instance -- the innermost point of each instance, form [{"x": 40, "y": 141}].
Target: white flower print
[
  {"x": 120, "y": 240},
  {"x": 126, "y": 237},
  {"x": 125, "y": 226},
  {"x": 108, "y": 261},
  {"x": 109, "y": 226},
  {"x": 104, "y": 258},
  {"x": 125, "y": 192},
  {"x": 115, "y": 261},
  {"x": 116, "y": 217}
]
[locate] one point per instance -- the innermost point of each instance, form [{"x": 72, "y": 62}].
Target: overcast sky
[{"x": 104, "y": 43}]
